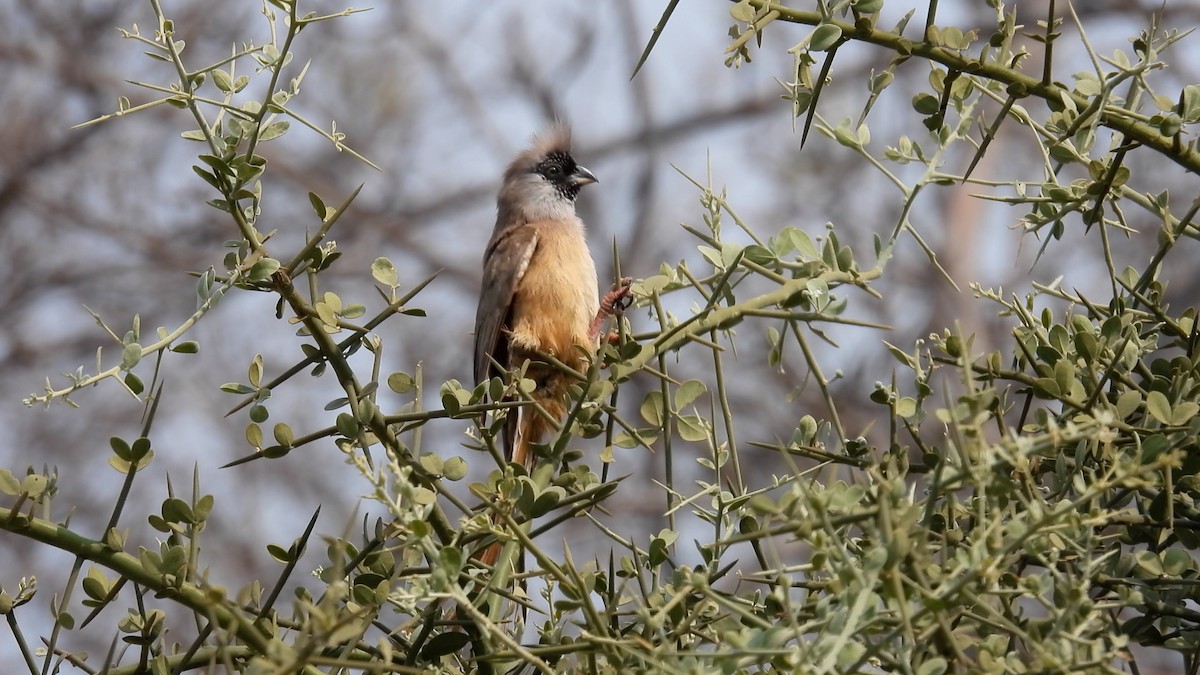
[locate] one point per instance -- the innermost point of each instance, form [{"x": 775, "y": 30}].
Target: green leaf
[
  {"x": 9, "y": 484},
  {"x": 759, "y": 254},
  {"x": 283, "y": 435},
  {"x": 279, "y": 553},
  {"x": 134, "y": 383},
  {"x": 806, "y": 430},
  {"x": 867, "y": 6},
  {"x": 159, "y": 524},
  {"x": 96, "y": 585},
  {"x": 208, "y": 177},
  {"x": 139, "y": 449},
  {"x": 659, "y": 546},
  {"x": 881, "y": 81},
  {"x": 114, "y": 539},
  {"x": 692, "y": 428},
  {"x": 547, "y": 500},
  {"x": 1158, "y": 406},
  {"x": 825, "y": 36},
  {"x": 742, "y": 11},
  {"x": 1190, "y": 108},
  {"x": 712, "y": 255},
  {"x": 926, "y": 103},
  {"x": 1170, "y": 124},
  {"x": 318, "y": 205},
  {"x": 120, "y": 447},
  {"x": 1183, "y": 413},
  {"x": 1045, "y": 387},
  {"x": 188, "y": 347},
  {"x": 899, "y": 355},
  {"x": 450, "y": 402},
  {"x": 334, "y": 301},
  {"x": 1153, "y": 446},
  {"x": 263, "y": 269},
  {"x": 627, "y": 440},
  {"x": 805, "y": 248},
  {"x": 444, "y": 644},
  {"x": 174, "y": 560},
  {"x": 223, "y": 80},
  {"x": 401, "y": 383},
  {"x": 1064, "y": 375},
  {"x": 1087, "y": 84},
  {"x": 432, "y": 463},
  {"x": 279, "y": 101},
  {"x": 818, "y": 293},
  {"x": 150, "y": 561},
  {"x": 385, "y": 272},
  {"x": 254, "y": 435},
  {"x": 687, "y": 392},
  {"x": 255, "y": 371},
  {"x": 177, "y": 511},
  {"x": 1147, "y": 565},
  {"x": 1086, "y": 345},
  {"x": 347, "y": 425},
  {"x": 1128, "y": 402},
  {"x": 1176, "y": 562},
  {"x": 652, "y": 285},
  {"x": 131, "y": 354},
  {"x": 846, "y": 497},
  {"x": 274, "y": 130},
  {"x": 203, "y": 508},
  {"x": 906, "y": 407},
  {"x": 775, "y": 355},
  {"x": 843, "y": 134},
  {"x": 250, "y": 169},
  {"x": 652, "y": 408},
  {"x": 454, "y": 468}
]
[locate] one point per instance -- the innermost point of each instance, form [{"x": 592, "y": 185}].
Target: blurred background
[{"x": 441, "y": 96}]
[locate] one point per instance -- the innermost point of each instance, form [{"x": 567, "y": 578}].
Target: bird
[{"x": 540, "y": 293}]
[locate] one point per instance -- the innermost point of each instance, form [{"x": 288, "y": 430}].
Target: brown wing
[{"x": 504, "y": 264}]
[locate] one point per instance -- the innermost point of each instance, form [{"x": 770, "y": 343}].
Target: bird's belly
[{"x": 557, "y": 299}]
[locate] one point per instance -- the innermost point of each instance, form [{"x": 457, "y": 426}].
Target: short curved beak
[{"x": 583, "y": 177}]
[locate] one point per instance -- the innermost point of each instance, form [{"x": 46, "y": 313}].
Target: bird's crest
[{"x": 555, "y": 138}]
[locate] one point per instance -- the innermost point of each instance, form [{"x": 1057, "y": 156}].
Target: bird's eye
[{"x": 553, "y": 171}]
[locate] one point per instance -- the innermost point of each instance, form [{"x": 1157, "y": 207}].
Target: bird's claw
[
  {"x": 615, "y": 301},
  {"x": 618, "y": 298}
]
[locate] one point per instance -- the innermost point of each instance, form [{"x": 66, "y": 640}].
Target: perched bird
[{"x": 540, "y": 295}]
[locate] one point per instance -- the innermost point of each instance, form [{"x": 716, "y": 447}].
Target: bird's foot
[
  {"x": 617, "y": 299},
  {"x": 613, "y": 303}
]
